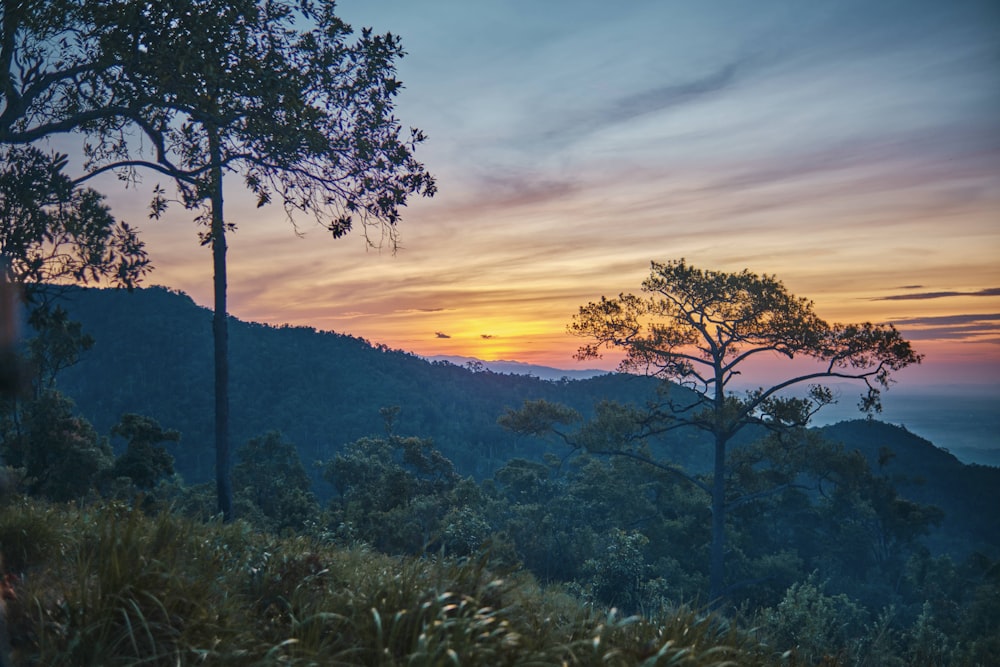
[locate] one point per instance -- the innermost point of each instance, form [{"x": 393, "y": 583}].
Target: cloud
[
  {"x": 438, "y": 334},
  {"x": 990, "y": 291},
  {"x": 571, "y": 128},
  {"x": 951, "y": 327},
  {"x": 949, "y": 320},
  {"x": 670, "y": 95},
  {"x": 502, "y": 190},
  {"x": 949, "y": 333}
]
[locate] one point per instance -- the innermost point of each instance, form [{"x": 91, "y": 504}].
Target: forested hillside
[
  {"x": 322, "y": 390},
  {"x": 859, "y": 540},
  {"x": 922, "y": 472},
  {"x": 153, "y": 355}
]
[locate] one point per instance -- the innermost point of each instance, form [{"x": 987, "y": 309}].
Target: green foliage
[
  {"x": 271, "y": 487},
  {"x": 394, "y": 493},
  {"x": 144, "y": 461},
  {"x": 557, "y": 516},
  {"x": 62, "y": 455},
  {"x": 116, "y": 588},
  {"x": 930, "y": 475},
  {"x": 53, "y": 232},
  {"x": 698, "y": 328},
  {"x": 618, "y": 575},
  {"x": 866, "y": 530},
  {"x": 58, "y": 343},
  {"x": 538, "y": 418},
  {"x": 814, "y": 624},
  {"x": 30, "y": 531}
]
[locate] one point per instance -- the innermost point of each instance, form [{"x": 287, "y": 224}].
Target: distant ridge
[
  {"x": 520, "y": 368},
  {"x": 153, "y": 355}
]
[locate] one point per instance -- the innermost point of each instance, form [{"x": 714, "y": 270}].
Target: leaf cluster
[
  {"x": 271, "y": 485},
  {"x": 276, "y": 91},
  {"x": 698, "y": 327},
  {"x": 52, "y": 231}
]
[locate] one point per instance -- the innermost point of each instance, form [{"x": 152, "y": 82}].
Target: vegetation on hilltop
[
  {"x": 151, "y": 355},
  {"x": 110, "y": 586},
  {"x": 835, "y": 573}
]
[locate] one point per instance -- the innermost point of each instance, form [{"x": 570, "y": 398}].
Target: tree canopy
[
  {"x": 276, "y": 92},
  {"x": 283, "y": 94},
  {"x": 699, "y": 328},
  {"x": 53, "y": 232}
]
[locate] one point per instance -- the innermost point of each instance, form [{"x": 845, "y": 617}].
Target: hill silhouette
[
  {"x": 924, "y": 473},
  {"x": 153, "y": 355},
  {"x": 322, "y": 390}
]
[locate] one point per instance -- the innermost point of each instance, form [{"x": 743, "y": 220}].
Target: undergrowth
[{"x": 109, "y": 586}]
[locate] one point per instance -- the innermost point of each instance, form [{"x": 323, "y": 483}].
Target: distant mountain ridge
[
  {"x": 322, "y": 390},
  {"x": 153, "y": 355},
  {"x": 508, "y": 367}
]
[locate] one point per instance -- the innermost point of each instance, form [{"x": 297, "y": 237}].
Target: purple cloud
[{"x": 990, "y": 291}]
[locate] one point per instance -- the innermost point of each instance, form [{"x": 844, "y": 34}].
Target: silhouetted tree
[
  {"x": 55, "y": 74},
  {"x": 52, "y": 231},
  {"x": 698, "y": 328},
  {"x": 276, "y": 92},
  {"x": 56, "y": 78},
  {"x": 271, "y": 483},
  {"x": 61, "y": 454},
  {"x": 145, "y": 461}
]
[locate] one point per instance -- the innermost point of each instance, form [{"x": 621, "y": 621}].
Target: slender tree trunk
[
  {"x": 220, "y": 333},
  {"x": 717, "y": 558}
]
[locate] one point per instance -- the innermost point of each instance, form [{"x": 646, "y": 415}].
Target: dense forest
[
  {"x": 879, "y": 549},
  {"x": 321, "y": 390},
  {"x": 179, "y": 487}
]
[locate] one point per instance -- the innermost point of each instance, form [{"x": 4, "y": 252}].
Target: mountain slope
[
  {"x": 927, "y": 474},
  {"x": 153, "y": 355}
]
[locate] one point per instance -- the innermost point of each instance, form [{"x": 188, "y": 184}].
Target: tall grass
[{"x": 109, "y": 586}]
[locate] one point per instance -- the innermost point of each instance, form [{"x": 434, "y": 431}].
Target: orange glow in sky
[{"x": 853, "y": 150}]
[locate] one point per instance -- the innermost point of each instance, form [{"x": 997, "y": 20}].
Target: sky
[{"x": 850, "y": 148}]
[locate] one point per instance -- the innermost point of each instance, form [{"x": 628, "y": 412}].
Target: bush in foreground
[{"x": 109, "y": 586}]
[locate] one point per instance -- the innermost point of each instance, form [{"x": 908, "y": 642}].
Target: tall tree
[
  {"x": 278, "y": 93},
  {"x": 700, "y": 328}
]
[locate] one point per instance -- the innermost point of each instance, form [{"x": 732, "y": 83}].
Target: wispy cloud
[
  {"x": 948, "y": 320},
  {"x": 990, "y": 291},
  {"x": 981, "y": 327},
  {"x": 669, "y": 95},
  {"x": 950, "y": 333}
]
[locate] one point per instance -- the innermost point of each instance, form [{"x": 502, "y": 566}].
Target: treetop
[{"x": 698, "y": 326}]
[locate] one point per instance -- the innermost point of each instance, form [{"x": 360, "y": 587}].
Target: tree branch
[
  {"x": 750, "y": 497},
  {"x": 656, "y": 464}
]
